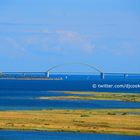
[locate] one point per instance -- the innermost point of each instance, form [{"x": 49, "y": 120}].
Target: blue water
[
  {"x": 38, "y": 135},
  {"x": 119, "y": 82},
  {"x": 28, "y": 101}
]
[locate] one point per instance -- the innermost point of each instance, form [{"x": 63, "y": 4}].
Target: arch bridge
[
  {"x": 82, "y": 64},
  {"x": 46, "y": 74}
]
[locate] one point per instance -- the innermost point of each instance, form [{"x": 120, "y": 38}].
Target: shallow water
[
  {"x": 17, "y": 100},
  {"x": 42, "y": 135}
]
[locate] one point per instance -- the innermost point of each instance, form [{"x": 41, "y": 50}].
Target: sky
[{"x": 38, "y": 34}]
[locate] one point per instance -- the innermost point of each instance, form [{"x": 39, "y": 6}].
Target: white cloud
[
  {"x": 76, "y": 40},
  {"x": 46, "y": 41},
  {"x": 60, "y": 41},
  {"x": 68, "y": 36}
]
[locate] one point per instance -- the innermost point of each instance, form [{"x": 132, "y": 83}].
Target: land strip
[
  {"x": 113, "y": 121},
  {"x": 128, "y": 97}
]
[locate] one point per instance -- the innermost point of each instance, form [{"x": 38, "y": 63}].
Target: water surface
[
  {"x": 42, "y": 135},
  {"x": 25, "y": 100}
]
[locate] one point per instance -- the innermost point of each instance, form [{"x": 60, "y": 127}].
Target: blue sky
[{"x": 37, "y": 34}]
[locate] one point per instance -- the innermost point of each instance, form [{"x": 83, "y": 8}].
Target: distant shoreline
[{"x": 131, "y": 97}]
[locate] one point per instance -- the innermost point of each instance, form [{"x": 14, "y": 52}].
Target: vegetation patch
[
  {"x": 113, "y": 121},
  {"x": 126, "y": 97}
]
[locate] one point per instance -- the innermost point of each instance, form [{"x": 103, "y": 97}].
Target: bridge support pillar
[
  {"x": 102, "y": 75},
  {"x": 47, "y": 74}
]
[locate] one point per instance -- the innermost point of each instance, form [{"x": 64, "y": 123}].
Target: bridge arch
[{"x": 65, "y": 64}]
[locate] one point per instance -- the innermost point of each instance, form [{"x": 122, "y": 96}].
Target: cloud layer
[{"x": 46, "y": 41}]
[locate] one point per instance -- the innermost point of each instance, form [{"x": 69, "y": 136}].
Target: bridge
[
  {"x": 82, "y": 64},
  {"x": 95, "y": 73}
]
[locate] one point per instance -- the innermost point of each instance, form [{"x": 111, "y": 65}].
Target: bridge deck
[{"x": 66, "y": 75}]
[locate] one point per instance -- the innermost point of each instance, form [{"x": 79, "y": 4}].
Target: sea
[{"x": 28, "y": 100}]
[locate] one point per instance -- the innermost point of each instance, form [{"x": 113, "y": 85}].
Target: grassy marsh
[
  {"x": 131, "y": 97},
  {"x": 113, "y": 121}
]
